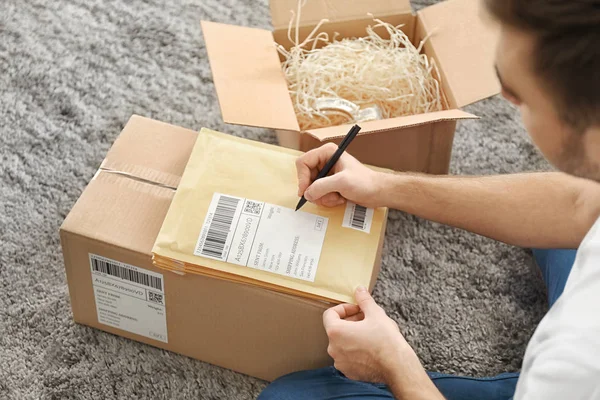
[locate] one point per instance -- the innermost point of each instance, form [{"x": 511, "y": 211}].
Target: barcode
[
  {"x": 253, "y": 207},
  {"x": 358, "y": 217},
  {"x": 126, "y": 273},
  {"x": 155, "y": 297},
  {"x": 219, "y": 228}
]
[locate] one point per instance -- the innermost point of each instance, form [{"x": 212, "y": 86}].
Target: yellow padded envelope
[{"x": 232, "y": 218}]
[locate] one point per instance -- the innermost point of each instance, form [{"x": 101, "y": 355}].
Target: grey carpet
[{"x": 71, "y": 74}]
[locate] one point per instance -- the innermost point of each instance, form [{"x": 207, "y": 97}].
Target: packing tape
[
  {"x": 134, "y": 177},
  {"x": 338, "y": 106}
]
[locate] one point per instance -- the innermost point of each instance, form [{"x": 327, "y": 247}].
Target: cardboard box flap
[
  {"x": 314, "y": 11},
  {"x": 119, "y": 211},
  {"x": 134, "y": 153},
  {"x": 464, "y": 47},
  {"x": 340, "y": 131},
  {"x": 248, "y": 78},
  {"x": 126, "y": 201}
]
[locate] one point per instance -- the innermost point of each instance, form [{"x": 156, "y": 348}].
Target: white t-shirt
[{"x": 562, "y": 360}]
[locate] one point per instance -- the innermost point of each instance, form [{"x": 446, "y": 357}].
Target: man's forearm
[
  {"x": 408, "y": 380},
  {"x": 415, "y": 387},
  {"x": 541, "y": 210}
]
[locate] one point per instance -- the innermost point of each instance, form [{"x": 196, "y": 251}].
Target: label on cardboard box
[
  {"x": 264, "y": 236},
  {"x": 129, "y": 298},
  {"x": 358, "y": 217}
]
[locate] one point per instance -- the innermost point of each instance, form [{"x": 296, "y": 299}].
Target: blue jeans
[{"x": 329, "y": 384}]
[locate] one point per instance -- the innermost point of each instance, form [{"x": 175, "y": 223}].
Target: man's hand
[
  {"x": 350, "y": 180},
  {"x": 367, "y": 345},
  {"x": 538, "y": 202},
  {"x": 364, "y": 342}
]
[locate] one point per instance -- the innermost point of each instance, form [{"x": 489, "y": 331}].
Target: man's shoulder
[{"x": 561, "y": 360}]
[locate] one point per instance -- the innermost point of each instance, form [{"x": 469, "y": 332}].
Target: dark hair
[{"x": 567, "y": 52}]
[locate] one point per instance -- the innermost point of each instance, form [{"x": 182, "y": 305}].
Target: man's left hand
[{"x": 364, "y": 342}]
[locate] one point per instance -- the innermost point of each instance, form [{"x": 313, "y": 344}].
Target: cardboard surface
[
  {"x": 248, "y": 78},
  {"x": 247, "y": 329},
  {"x": 335, "y": 132},
  {"x": 426, "y": 147},
  {"x": 464, "y": 48},
  {"x": 334, "y": 10},
  {"x": 239, "y": 167}
]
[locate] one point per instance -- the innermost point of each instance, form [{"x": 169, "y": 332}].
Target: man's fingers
[
  {"x": 330, "y": 317},
  {"x": 319, "y": 156},
  {"x": 344, "y": 310},
  {"x": 324, "y": 186},
  {"x": 335, "y": 200},
  {"x": 308, "y": 164},
  {"x": 332, "y": 200},
  {"x": 356, "y": 317},
  {"x": 304, "y": 176},
  {"x": 366, "y": 302},
  {"x": 339, "y": 312}
]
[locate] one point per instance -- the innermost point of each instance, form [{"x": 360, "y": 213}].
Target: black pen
[{"x": 336, "y": 156}]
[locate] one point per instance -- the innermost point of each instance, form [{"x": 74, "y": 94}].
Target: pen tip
[{"x": 300, "y": 203}]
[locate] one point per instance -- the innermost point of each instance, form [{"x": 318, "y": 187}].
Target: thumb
[
  {"x": 366, "y": 302},
  {"x": 323, "y": 186}
]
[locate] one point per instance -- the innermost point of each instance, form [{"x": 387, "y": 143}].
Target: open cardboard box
[{"x": 252, "y": 89}]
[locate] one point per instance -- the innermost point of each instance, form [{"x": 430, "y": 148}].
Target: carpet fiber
[{"x": 71, "y": 74}]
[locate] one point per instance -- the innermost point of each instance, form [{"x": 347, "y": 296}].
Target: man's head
[{"x": 548, "y": 61}]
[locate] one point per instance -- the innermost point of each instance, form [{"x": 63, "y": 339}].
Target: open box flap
[
  {"x": 247, "y": 73},
  {"x": 464, "y": 39},
  {"x": 339, "y": 131},
  {"x": 314, "y": 11}
]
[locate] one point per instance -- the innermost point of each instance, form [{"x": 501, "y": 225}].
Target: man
[{"x": 548, "y": 60}]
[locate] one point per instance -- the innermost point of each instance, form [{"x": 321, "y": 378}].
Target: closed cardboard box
[
  {"x": 252, "y": 89},
  {"x": 107, "y": 240}
]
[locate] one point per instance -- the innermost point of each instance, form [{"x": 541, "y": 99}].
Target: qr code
[
  {"x": 252, "y": 207},
  {"x": 155, "y": 297}
]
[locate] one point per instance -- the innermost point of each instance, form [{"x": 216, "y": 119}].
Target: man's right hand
[{"x": 350, "y": 180}]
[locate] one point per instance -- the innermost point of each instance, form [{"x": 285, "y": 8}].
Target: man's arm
[
  {"x": 409, "y": 381},
  {"x": 542, "y": 210}
]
